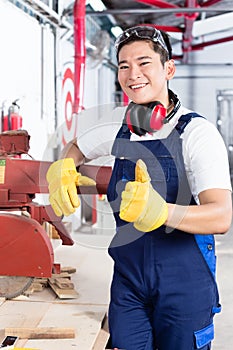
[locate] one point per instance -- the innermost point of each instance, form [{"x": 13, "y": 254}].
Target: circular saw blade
[{"x": 13, "y": 286}]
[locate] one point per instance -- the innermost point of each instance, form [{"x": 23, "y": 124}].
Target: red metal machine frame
[{"x": 25, "y": 248}]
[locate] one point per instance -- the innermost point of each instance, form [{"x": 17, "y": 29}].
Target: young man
[{"x": 170, "y": 192}]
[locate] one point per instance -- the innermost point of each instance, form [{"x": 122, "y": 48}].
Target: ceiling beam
[{"x": 158, "y": 10}]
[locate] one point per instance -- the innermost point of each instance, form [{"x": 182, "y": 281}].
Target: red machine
[{"x": 25, "y": 248}]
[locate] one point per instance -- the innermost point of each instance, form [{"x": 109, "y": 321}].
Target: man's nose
[{"x": 135, "y": 72}]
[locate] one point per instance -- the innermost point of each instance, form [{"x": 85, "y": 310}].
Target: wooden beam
[{"x": 41, "y": 333}]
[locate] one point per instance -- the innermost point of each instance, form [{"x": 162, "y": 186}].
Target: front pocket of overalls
[
  {"x": 204, "y": 336},
  {"x": 162, "y": 172},
  {"x": 128, "y": 170},
  {"x": 164, "y": 178}
]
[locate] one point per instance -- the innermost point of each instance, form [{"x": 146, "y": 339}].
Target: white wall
[
  {"x": 99, "y": 86},
  {"x": 27, "y": 71},
  {"x": 197, "y": 83},
  {"x": 21, "y": 72}
]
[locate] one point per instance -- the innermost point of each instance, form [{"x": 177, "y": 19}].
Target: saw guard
[{"x": 25, "y": 248}]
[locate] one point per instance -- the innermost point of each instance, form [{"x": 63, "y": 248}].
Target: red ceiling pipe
[
  {"x": 79, "y": 12},
  {"x": 212, "y": 42},
  {"x": 189, "y": 19},
  {"x": 164, "y": 28},
  {"x": 210, "y": 3},
  {"x": 158, "y": 3}
]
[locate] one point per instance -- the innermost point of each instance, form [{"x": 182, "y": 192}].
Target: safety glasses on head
[{"x": 141, "y": 32}]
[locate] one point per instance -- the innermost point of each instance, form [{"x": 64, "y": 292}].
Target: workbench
[{"x": 86, "y": 314}]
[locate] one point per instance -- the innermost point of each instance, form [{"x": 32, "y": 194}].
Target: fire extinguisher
[{"x": 13, "y": 120}]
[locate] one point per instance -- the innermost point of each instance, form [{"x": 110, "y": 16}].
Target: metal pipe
[
  {"x": 42, "y": 73},
  {"x": 157, "y": 10},
  {"x": 166, "y": 28},
  {"x": 41, "y": 10},
  {"x": 159, "y": 3},
  {"x": 211, "y": 2},
  {"x": 79, "y": 13},
  {"x": 212, "y": 42},
  {"x": 189, "y": 19}
]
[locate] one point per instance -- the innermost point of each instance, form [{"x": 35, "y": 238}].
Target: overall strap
[
  {"x": 185, "y": 119},
  {"x": 123, "y": 133},
  {"x": 205, "y": 243}
]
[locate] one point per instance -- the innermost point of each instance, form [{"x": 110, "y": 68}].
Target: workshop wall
[
  {"x": 21, "y": 72},
  {"x": 29, "y": 74},
  {"x": 208, "y": 71}
]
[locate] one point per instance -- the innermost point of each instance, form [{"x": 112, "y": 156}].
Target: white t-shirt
[{"x": 204, "y": 152}]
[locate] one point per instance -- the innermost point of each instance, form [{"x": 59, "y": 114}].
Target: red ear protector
[
  {"x": 145, "y": 118},
  {"x": 141, "y": 119}
]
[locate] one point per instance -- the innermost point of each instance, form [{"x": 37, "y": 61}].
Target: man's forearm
[
  {"x": 71, "y": 150},
  {"x": 207, "y": 218}
]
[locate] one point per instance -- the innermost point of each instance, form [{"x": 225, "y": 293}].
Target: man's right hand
[
  {"x": 141, "y": 203},
  {"x": 63, "y": 179}
]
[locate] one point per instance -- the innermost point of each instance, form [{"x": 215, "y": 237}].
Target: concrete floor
[{"x": 224, "y": 320}]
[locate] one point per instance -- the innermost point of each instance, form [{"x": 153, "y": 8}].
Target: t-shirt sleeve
[
  {"x": 95, "y": 136},
  {"x": 205, "y": 156}
]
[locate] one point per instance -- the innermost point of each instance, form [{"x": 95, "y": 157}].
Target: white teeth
[{"x": 137, "y": 86}]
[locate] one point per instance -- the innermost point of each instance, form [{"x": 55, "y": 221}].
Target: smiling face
[{"x": 141, "y": 74}]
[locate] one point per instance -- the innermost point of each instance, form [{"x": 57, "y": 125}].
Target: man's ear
[{"x": 170, "y": 69}]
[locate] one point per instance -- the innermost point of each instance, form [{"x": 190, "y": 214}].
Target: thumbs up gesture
[{"x": 141, "y": 204}]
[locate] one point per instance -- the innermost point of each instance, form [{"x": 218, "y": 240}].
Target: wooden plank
[
  {"x": 60, "y": 275},
  {"x": 64, "y": 283},
  {"x": 2, "y": 301},
  {"x": 101, "y": 341},
  {"x": 35, "y": 287},
  {"x": 43, "y": 281},
  {"x": 63, "y": 293},
  {"x": 17, "y": 313},
  {"x": 86, "y": 319},
  {"x": 103, "y": 336},
  {"x": 41, "y": 332},
  {"x": 26, "y": 349},
  {"x": 68, "y": 269}
]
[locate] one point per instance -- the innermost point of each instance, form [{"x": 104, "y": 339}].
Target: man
[{"x": 170, "y": 192}]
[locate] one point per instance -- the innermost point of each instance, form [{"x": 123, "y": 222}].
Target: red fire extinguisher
[{"x": 13, "y": 120}]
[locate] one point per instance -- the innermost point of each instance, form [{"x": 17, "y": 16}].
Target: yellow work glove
[
  {"x": 141, "y": 204},
  {"x": 63, "y": 178}
]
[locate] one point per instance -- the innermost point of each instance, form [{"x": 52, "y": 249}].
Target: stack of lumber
[{"x": 60, "y": 283}]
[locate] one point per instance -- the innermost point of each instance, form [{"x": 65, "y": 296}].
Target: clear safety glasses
[{"x": 142, "y": 32}]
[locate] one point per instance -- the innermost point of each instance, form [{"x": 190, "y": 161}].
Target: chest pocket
[{"x": 162, "y": 171}]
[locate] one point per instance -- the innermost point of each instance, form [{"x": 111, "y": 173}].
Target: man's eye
[
  {"x": 123, "y": 67},
  {"x": 145, "y": 63}
]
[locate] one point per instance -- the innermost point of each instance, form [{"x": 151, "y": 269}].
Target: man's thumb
[{"x": 141, "y": 173}]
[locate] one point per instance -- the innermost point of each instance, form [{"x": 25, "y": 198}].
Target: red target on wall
[{"x": 69, "y": 128}]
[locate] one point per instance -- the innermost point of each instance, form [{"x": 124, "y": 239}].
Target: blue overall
[{"x": 163, "y": 293}]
